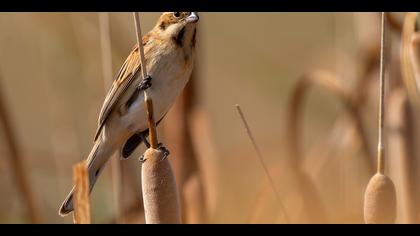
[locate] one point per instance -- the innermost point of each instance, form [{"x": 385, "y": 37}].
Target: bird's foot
[
  {"x": 164, "y": 150},
  {"x": 142, "y": 159},
  {"x": 145, "y": 83},
  {"x": 161, "y": 148},
  {"x": 144, "y": 140}
]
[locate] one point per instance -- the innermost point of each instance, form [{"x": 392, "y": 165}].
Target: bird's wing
[{"x": 125, "y": 77}]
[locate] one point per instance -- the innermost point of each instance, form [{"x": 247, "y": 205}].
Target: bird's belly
[{"x": 164, "y": 91}]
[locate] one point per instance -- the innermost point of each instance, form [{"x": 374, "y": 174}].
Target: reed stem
[
  {"x": 81, "y": 194},
  {"x": 381, "y": 151},
  {"x": 261, "y": 159}
]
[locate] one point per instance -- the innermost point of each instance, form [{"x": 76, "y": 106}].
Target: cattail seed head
[{"x": 380, "y": 201}]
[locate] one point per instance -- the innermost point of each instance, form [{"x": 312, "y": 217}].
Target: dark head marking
[
  {"x": 179, "y": 39},
  {"x": 193, "y": 38},
  {"x": 163, "y": 25}
]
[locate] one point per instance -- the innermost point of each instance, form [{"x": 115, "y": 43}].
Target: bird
[{"x": 169, "y": 50}]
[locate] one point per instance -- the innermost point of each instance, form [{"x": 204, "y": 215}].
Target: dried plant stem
[
  {"x": 151, "y": 120},
  {"x": 147, "y": 100},
  {"x": 18, "y": 166},
  {"x": 409, "y": 76},
  {"x": 201, "y": 136},
  {"x": 332, "y": 84},
  {"x": 381, "y": 160},
  {"x": 401, "y": 144},
  {"x": 160, "y": 195},
  {"x": 194, "y": 209},
  {"x": 315, "y": 208},
  {"x": 185, "y": 160},
  {"x": 264, "y": 166},
  {"x": 106, "y": 50},
  {"x": 380, "y": 195},
  {"x": 415, "y": 57},
  {"x": 81, "y": 194},
  {"x": 116, "y": 168},
  {"x": 394, "y": 22},
  {"x": 139, "y": 41}
]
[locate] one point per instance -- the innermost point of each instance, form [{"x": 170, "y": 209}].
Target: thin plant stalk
[
  {"x": 409, "y": 77},
  {"x": 381, "y": 160},
  {"x": 18, "y": 166},
  {"x": 261, "y": 160},
  {"x": 160, "y": 195},
  {"x": 185, "y": 160},
  {"x": 380, "y": 195},
  {"x": 332, "y": 84},
  {"x": 116, "y": 168},
  {"x": 148, "y": 101}
]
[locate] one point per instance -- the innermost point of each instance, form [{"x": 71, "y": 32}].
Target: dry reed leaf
[
  {"x": 331, "y": 83},
  {"x": 401, "y": 147},
  {"x": 81, "y": 194}
]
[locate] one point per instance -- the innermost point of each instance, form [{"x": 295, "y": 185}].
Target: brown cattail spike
[
  {"x": 380, "y": 201},
  {"x": 160, "y": 195}
]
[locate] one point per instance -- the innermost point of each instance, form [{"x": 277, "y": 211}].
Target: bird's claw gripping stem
[
  {"x": 145, "y": 83},
  {"x": 160, "y": 148},
  {"x": 164, "y": 150}
]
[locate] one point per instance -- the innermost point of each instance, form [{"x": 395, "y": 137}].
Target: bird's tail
[{"x": 95, "y": 163}]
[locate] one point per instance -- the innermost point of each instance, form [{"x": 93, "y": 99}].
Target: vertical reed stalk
[
  {"x": 116, "y": 168},
  {"x": 264, "y": 166},
  {"x": 380, "y": 196},
  {"x": 184, "y": 154},
  {"x": 401, "y": 145},
  {"x": 160, "y": 196},
  {"x": 148, "y": 101},
  {"x": 381, "y": 161},
  {"x": 81, "y": 194},
  {"x": 18, "y": 165},
  {"x": 409, "y": 76}
]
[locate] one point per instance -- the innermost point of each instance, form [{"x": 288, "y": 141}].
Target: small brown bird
[{"x": 169, "y": 50}]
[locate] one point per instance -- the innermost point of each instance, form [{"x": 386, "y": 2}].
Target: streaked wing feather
[{"x": 125, "y": 77}]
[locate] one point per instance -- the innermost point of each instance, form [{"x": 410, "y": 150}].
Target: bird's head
[{"x": 177, "y": 26}]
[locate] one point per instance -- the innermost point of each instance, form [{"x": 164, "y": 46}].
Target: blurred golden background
[{"x": 52, "y": 85}]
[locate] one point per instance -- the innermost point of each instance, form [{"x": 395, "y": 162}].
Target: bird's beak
[{"x": 192, "y": 18}]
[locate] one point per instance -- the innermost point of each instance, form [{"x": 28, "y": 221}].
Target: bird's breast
[{"x": 169, "y": 73}]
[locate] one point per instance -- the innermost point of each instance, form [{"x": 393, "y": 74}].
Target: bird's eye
[{"x": 177, "y": 14}]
